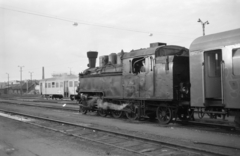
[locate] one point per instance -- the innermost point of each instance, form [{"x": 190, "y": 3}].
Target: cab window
[{"x": 138, "y": 65}]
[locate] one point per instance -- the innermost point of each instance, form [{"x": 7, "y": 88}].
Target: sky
[{"x": 41, "y": 33}]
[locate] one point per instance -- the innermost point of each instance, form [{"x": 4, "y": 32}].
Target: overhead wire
[
  {"x": 83, "y": 23},
  {"x": 76, "y": 22}
]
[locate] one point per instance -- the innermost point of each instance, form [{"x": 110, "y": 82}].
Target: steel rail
[
  {"x": 42, "y": 106},
  {"x": 196, "y": 123},
  {"x": 171, "y": 145}
]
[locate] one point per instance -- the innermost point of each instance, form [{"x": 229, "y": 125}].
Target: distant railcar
[
  {"x": 60, "y": 87},
  {"x": 168, "y": 81}
]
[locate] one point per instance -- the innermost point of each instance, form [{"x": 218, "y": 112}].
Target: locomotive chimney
[{"x": 92, "y": 56}]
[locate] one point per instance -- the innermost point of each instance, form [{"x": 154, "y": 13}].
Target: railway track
[
  {"x": 60, "y": 107},
  {"x": 221, "y": 128},
  {"x": 135, "y": 144}
]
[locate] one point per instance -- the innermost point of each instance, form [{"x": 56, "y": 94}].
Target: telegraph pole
[
  {"x": 31, "y": 75},
  {"x": 31, "y": 80},
  {"x": 203, "y": 25},
  {"x": 8, "y": 82},
  {"x": 21, "y": 77}
]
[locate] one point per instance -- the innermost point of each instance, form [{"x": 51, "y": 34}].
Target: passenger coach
[
  {"x": 215, "y": 73},
  {"x": 59, "y": 87}
]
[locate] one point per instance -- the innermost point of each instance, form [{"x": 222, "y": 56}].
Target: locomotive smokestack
[{"x": 92, "y": 56}]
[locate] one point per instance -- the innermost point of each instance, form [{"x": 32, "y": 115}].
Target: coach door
[
  {"x": 65, "y": 88},
  {"x": 213, "y": 84}
]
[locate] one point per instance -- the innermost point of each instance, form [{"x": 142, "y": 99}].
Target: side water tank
[
  {"x": 119, "y": 55},
  {"x": 112, "y": 58}
]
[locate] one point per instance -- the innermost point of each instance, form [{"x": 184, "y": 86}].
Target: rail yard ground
[{"x": 211, "y": 139}]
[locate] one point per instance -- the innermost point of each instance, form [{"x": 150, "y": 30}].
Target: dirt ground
[
  {"x": 20, "y": 139},
  {"x": 225, "y": 143}
]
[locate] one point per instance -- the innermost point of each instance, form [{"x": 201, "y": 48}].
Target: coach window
[
  {"x": 56, "y": 84},
  {"x": 75, "y": 83},
  {"x": 49, "y": 85},
  {"x": 214, "y": 59},
  {"x": 61, "y": 84},
  {"x": 53, "y": 84},
  {"x": 70, "y": 83},
  {"x": 45, "y": 85},
  {"x": 236, "y": 61}
]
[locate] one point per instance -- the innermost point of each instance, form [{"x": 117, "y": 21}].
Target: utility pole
[
  {"x": 31, "y": 75},
  {"x": 203, "y": 25},
  {"x": 8, "y": 82},
  {"x": 31, "y": 80},
  {"x": 21, "y": 77}
]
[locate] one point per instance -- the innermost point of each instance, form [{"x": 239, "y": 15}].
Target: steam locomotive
[{"x": 166, "y": 81}]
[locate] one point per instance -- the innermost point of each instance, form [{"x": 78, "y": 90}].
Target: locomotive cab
[{"x": 172, "y": 72}]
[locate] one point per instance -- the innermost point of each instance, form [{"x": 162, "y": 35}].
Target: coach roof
[
  {"x": 68, "y": 77},
  {"x": 216, "y": 40}
]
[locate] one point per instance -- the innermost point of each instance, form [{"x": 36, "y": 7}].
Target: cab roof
[
  {"x": 158, "y": 51},
  {"x": 216, "y": 40}
]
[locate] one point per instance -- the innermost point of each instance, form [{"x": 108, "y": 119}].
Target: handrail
[
  {"x": 203, "y": 85},
  {"x": 222, "y": 79},
  {"x": 151, "y": 59},
  {"x": 130, "y": 66}
]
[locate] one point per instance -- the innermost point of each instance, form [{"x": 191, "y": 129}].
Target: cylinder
[{"x": 92, "y": 56}]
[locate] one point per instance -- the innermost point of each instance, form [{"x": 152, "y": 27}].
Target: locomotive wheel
[
  {"x": 102, "y": 112},
  {"x": 200, "y": 113},
  {"x": 116, "y": 114},
  {"x": 133, "y": 115},
  {"x": 164, "y": 114},
  {"x": 83, "y": 110}
]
